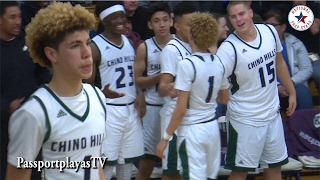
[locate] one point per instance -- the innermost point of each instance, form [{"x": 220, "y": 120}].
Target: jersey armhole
[
  {"x": 194, "y": 69},
  {"x": 224, "y": 70},
  {"x": 235, "y": 55},
  {"x": 145, "y": 72},
  {"x": 272, "y": 33},
  {"x": 100, "y": 100},
  {"x": 177, "y": 49},
  {"x": 48, "y": 125}
]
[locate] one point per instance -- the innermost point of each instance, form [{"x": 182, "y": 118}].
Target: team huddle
[{"x": 156, "y": 103}]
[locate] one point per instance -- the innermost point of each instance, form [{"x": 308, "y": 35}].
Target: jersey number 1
[
  {"x": 210, "y": 80},
  {"x": 270, "y": 71},
  {"x": 87, "y": 170}
]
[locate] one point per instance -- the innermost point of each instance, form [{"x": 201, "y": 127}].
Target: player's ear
[
  {"x": 176, "y": 26},
  {"x": 149, "y": 25},
  {"x": 251, "y": 13},
  {"x": 51, "y": 54}
]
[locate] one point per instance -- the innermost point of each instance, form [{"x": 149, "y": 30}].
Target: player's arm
[
  {"x": 284, "y": 76},
  {"x": 14, "y": 173},
  {"x": 223, "y": 96},
  {"x": 140, "y": 103},
  {"x": 26, "y": 129},
  {"x": 168, "y": 69},
  {"x": 101, "y": 174},
  {"x": 315, "y": 27},
  {"x": 140, "y": 66}
]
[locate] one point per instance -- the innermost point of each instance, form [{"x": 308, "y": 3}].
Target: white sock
[
  {"x": 107, "y": 171},
  {"x": 124, "y": 171}
]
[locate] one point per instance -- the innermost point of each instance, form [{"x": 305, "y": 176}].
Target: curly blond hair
[
  {"x": 50, "y": 26},
  {"x": 204, "y": 30}
]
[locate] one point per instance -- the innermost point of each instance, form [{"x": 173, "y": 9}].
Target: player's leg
[
  {"x": 275, "y": 151},
  {"x": 132, "y": 147},
  {"x": 111, "y": 145},
  {"x": 171, "y": 163},
  {"x": 245, "y": 146},
  {"x": 151, "y": 136}
]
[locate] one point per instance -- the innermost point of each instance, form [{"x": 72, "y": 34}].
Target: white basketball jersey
[
  {"x": 202, "y": 74},
  {"x": 71, "y": 136},
  {"x": 181, "y": 50},
  {"x": 254, "y": 93},
  {"x": 116, "y": 68},
  {"x": 153, "y": 67}
]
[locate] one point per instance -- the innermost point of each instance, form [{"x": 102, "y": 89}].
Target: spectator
[
  {"x": 139, "y": 18},
  {"x": 20, "y": 77},
  {"x": 296, "y": 56},
  {"x": 133, "y": 36},
  {"x": 310, "y": 37},
  {"x": 29, "y": 9}
]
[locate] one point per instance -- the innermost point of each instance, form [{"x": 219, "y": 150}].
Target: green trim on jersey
[
  {"x": 111, "y": 163},
  {"x": 182, "y": 45},
  {"x": 151, "y": 157},
  {"x": 172, "y": 164},
  {"x": 102, "y": 104},
  {"x": 154, "y": 41},
  {"x": 249, "y": 44},
  {"x": 233, "y": 77},
  {"x": 133, "y": 159},
  {"x": 232, "y": 151},
  {"x": 184, "y": 160},
  {"x": 48, "y": 125},
  {"x": 80, "y": 118},
  {"x": 145, "y": 72}
]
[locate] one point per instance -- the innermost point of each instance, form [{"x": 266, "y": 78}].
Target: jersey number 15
[{"x": 270, "y": 71}]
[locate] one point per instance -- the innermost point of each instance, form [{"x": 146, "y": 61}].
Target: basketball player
[
  {"x": 114, "y": 55},
  {"x": 65, "y": 117},
  {"x": 200, "y": 81},
  {"x": 148, "y": 60},
  {"x": 176, "y": 50},
  {"x": 253, "y": 60}
]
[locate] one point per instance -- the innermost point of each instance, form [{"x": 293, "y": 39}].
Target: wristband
[{"x": 166, "y": 136}]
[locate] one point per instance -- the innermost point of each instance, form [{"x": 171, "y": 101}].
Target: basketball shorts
[
  {"x": 249, "y": 146},
  {"x": 124, "y": 140},
  {"x": 199, "y": 150}
]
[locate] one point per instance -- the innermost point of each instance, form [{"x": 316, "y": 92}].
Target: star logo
[{"x": 301, "y": 17}]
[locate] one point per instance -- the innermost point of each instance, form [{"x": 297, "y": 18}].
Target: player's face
[
  {"x": 114, "y": 23},
  {"x": 279, "y": 27},
  {"x": 74, "y": 57},
  {"x": 160, "y": 23},
  {"x": 10, "y": 22},
  {"x": 223, "y": 28},
  {"x": 183, "y": 27},
  {"x": 240, "y": 17}
]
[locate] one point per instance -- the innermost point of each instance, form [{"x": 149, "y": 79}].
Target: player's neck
[
  {"x": 162, "y": 41},
  {"x": 250, "y": 35},
  {"x": 195, "y": 49},
  {"x": 114, "y": 38},
  {"x": 178, "y": 35},
  {"x": 65, "y": 86}
]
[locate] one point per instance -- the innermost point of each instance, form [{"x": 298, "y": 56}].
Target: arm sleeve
[
  {"x": 27, "y": 130},
  {"x": 185, "y": 76},
  {"x": 168, "y": 61},
  {"x": 226, "y": 53}
]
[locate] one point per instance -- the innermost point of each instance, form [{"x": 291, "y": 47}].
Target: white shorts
[
  {"x": 151, "y": 132},
  {"x": 249, "y": 146},
  {"x": 124, "y": 140},
  {"x": 171, "y": 162},
  {"x": 200, "y": 150}
]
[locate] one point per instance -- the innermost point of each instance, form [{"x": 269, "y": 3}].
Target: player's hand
[
  {"x": 292, "y": 105},
  {"x": 171, "y": 91},
  {"x": 15, "y": 104},
  {"x": 161, "y": 147},
  {"x": 140, "y": 105},
  {"x": 282, "y": 91},
  {"x": 108, "y": 93}
]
